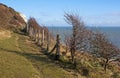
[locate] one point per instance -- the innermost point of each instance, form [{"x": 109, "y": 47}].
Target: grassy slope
[
  {"x": 21, "y": 58},
  {"x": 13, "y": 65}
]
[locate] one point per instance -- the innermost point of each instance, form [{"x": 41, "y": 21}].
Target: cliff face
[{"x": 9, "y": 18}]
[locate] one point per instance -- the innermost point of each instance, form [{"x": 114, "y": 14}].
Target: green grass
[
  {"x": 15, "y": 66},
  {"x": 21, "y": 58},
  {"x": 9, "y": 44},
  {"x": 41, "y": 62}
]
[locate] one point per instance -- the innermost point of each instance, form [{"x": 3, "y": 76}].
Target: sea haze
[{"x": 112, "y": 33}]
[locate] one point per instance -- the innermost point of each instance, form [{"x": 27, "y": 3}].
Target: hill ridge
[{"x": 9, "y": 18}]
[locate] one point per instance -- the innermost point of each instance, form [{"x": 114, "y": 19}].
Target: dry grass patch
[{"x": 5, "y": 34}]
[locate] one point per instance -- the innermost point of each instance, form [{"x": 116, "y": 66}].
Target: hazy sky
[{"x": 51, "y": 12}]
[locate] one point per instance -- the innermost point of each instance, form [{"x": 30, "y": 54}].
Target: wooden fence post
[
  {"x": 43, "y": 35},
  {"x": 48, "y": 41},
  {"x": 39, "y": 37},
  {"x": 57, "y": 47}
]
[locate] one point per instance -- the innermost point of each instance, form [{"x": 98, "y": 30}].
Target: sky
[{"x": 51, "y": 12}]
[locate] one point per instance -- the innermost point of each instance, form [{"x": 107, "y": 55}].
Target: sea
[{"x": 112, "y": 33}]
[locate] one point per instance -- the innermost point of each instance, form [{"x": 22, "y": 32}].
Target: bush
[{"x": 116, "y": 75}]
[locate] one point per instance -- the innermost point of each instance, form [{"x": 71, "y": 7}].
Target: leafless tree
[
  {"x": 102, "y": 47},
  {"x": 34, "y": 29},
  {"x": 40, "y": 34},
  {"x": 80, "y": 35},
  {"x": 47, "y": 36}
]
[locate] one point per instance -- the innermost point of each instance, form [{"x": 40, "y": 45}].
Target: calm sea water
[{"x": 112, "y": 33}]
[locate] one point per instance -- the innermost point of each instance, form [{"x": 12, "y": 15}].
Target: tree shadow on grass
[
  {"x": 31, "y": 56},
  {"x": 45, "y": 58},
  {"x": 61, "y": 63}
]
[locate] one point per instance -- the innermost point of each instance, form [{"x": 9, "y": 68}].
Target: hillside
[
  {"x": 21, "y": 58},
  {"x": 9, "y": 18},
  {"x": 25, "y": 55}
]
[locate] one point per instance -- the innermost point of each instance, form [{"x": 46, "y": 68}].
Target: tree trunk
[
  {"x": 105, "y": 66},
  {"x": 73, "y": 45},
  {"x": 48, "y": 41},
  {"x": 72, "y": 55},
  {"x": 38, "y": 37},
  {"x": 27, "y": 28},
  {"x": 43, "y": 36},
  {"x": 57, "y": 48},
  {"x": 66, "y": 49},
  {"x": 31, "y": 32},
  {"x": 36, "y": 33}
]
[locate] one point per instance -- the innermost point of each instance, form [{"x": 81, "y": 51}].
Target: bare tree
[
  {"x": 34, "y": 29},
  {"x": 31, "y": 27},
  {"x": 102, "y": 47},
  {"x": 46, "y": 36},
  {"x": 72, "y": 20},
  {"x": 80, "y": 34},
  {"x": 40, "y": 35}
]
